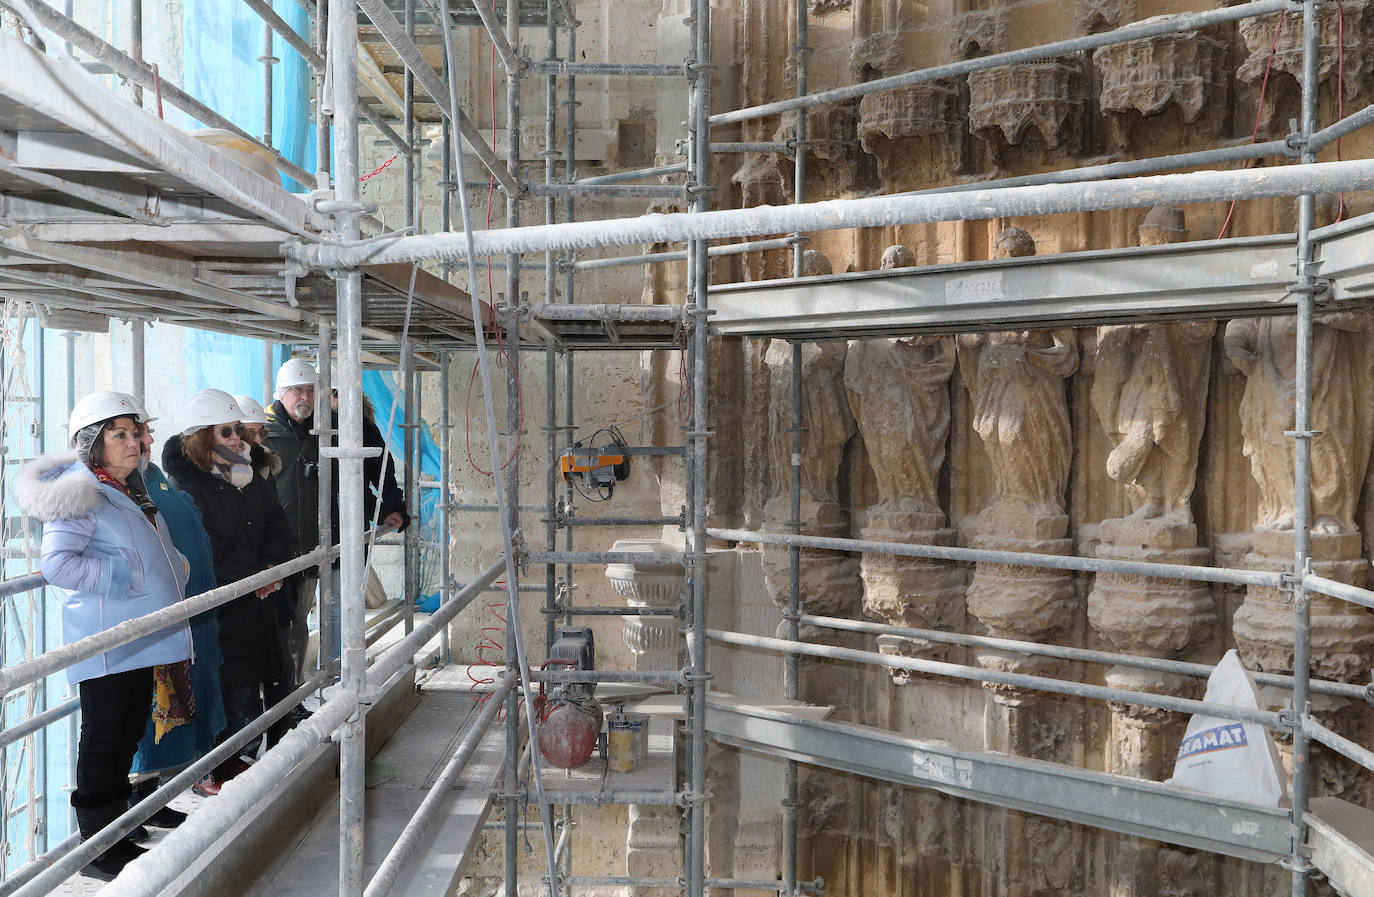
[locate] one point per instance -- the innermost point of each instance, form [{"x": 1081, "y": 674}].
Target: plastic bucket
[{"x": 627, "y": 741}]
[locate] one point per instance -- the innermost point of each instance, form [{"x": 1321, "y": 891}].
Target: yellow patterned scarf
[{"x": 174, "y": 704}]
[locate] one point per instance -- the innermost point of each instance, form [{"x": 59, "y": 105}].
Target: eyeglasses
[{"x": 226, "y": 432}]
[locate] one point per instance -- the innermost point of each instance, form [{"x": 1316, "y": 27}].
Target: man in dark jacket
[{"x": 290, "y": 420}]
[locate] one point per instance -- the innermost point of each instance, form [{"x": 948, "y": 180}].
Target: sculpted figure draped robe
[
  {"x": 1150, "y": 392},
  {"x": 900, "y": 398},
  {"x": 1342, "y": 380},
  {"x": 1019, "y": 411}
]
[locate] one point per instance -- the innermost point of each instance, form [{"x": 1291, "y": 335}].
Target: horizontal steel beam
[
  {"x": 845, "y": 214},
  {"x": 1152, "y": 27},
  {"x": 1111, "y": 802},
  {"x": 1338, "y": 836},
  {"x": 1204, "y": 279}
]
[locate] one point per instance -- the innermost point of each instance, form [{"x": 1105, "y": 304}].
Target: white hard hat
[
  {"x": 252, "y": 411},
  {"x": 208, "y": 408},
  {"x": 141, "y": 410},
  {"x": 296, "y": 372},
  {"x": 99, "y": 406}
]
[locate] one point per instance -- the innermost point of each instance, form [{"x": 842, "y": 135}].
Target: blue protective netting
[
  {"x": 379, "y": 388},
  {"x": 222, "y": 44}
]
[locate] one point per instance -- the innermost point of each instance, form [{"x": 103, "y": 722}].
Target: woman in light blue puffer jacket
[{"x": 109, "y": 553}]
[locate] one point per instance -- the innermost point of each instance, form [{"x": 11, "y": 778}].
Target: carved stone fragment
[
  {"x": 978, "y": 33},
  {"x": 1093, "y": 16},
  {"x": 1008, "y": 102},
  {"x": 833, "y": 157},
  {"x": 914, "y": 132},
  {"x": 1354, "y": 54},
  {"x": 1142, "y": 77}
]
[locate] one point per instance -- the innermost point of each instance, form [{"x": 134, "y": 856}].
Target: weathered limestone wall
[{"x": 1159, "y": 443}]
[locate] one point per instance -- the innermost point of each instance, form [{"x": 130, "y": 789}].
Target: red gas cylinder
[{"x": 567, "y": 736}]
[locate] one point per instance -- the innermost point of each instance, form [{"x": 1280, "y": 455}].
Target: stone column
[
  {"x": 899, "y": 392},
  {"x": 1342, "y": 634},
  {"x": 1021, "y": 415},
  {"x": 653, "y": 843}
]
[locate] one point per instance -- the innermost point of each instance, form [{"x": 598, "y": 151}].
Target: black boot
[
  {"x": 90, "y": 820},
  {"x": 165, "y": 817}
]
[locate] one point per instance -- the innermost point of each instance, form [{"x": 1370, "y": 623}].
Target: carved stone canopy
[
  {"x": 830, "y": 139},
  {"x": 1148, "y": 74},
  {"x": 1014, "y": 99},
  {"x": 918, "y": 125},
  {"x": 1093, "y": 16},
  {"x": 978, "y": 32},
  {"x": 1356, "y": 54}
]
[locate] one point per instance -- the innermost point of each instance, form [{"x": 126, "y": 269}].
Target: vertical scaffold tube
[
  {"x": 323, "y": 102},
  {"x": 1302, "y": 457},
  {"x": 445, "y": 499},
  {"x": 510, "y": 321},
  {"x": 325, "y": 513},
  {"x": 343, "y": 26},
  {"x": 802, "y": 50},
  {"x": 550, "y": 354},
  {"x": 696, "y": 636},
  {"x": 138, "y": 346},
  {"x": 412, "y": 533}
]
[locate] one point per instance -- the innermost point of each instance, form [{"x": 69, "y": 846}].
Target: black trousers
[{"x": 114, "y": 712}]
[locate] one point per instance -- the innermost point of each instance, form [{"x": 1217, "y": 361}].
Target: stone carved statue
[
  {"x": 1150, "y": 392},
  {"x": 825, "y": 414},
  {"x": 828, "y": 580},
  {"x": 1019, "y": 410},
  {"x": 899, "y": 392},
  {"x": 1342, "y": 390}
]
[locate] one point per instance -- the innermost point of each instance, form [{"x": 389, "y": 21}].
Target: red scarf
[{"x": 149, "y": 510}]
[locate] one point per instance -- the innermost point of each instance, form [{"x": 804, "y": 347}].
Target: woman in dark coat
[{"x": 248, "y": 533}]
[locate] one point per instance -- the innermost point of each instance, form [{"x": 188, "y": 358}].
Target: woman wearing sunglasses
[{"x": 248, "y": 531}]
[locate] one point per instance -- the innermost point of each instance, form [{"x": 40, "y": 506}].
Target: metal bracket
[
  {"x": 1288, "y": 720},
  {"x": 1303, "y": 434}
]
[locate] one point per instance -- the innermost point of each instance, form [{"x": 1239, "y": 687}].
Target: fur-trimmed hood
[
  {"x": 57, "y": 487},
  {"x": 268, "y": 464}
]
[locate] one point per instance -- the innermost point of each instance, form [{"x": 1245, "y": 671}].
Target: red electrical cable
[
  {"x": 1259, "y": 113},
  {"x": 493, "y": 330},
  {"x": 488, "y": 643}
]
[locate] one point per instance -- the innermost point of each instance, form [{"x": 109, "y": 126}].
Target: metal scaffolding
[{"x": 416, "y": 320}]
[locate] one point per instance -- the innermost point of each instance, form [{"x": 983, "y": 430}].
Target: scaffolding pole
[
  {"x": 848, "y": 214},
  {"x": 348, "y": 210},
  {"x": 1298, "y": 861},
  {"x": 791, "y": 668}
]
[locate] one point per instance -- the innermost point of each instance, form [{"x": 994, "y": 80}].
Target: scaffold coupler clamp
[
  {"x": 292, "y": 270},
  {"x": 1288, "y": 719},
  {"x": 1290, "y": 582}
]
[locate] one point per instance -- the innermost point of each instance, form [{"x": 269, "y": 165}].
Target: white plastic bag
[{"x": 1227, "y": 758}]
